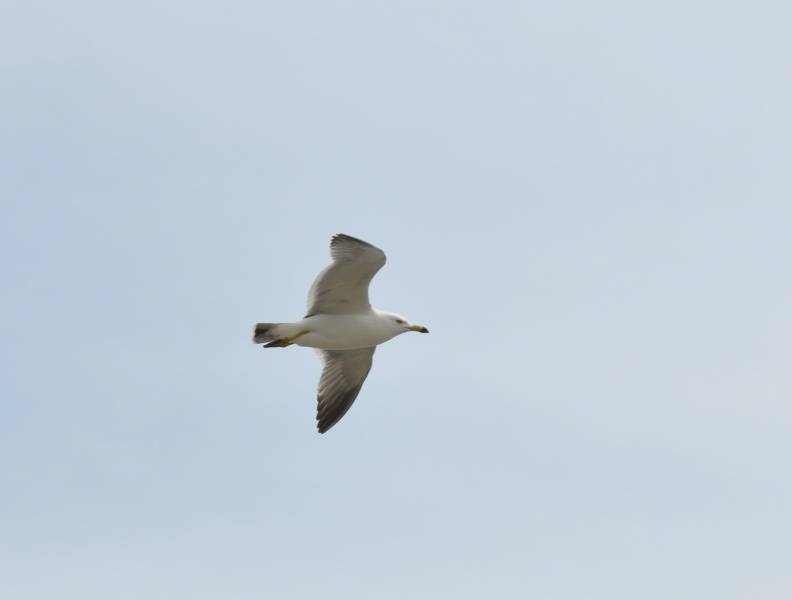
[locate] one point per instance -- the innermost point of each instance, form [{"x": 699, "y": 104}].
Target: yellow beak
[{"x": 419, "y": 328}]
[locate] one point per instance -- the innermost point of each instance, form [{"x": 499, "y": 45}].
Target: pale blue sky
[{"x": 589, "y": 205}]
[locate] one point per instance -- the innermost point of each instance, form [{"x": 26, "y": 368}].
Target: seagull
[{"x": 342, "y": 325}]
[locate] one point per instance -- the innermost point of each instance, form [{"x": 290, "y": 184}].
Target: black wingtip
[{"x": 343, "y": 237}]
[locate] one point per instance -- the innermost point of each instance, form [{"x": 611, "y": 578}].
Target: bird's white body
[{"x": 344, "y": 332}]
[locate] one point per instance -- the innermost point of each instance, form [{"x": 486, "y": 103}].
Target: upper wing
[
  {"x": 342, "y": 377},
  {"x": 343, "y": 286}
]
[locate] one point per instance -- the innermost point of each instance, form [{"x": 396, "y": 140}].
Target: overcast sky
[{"x": 588, "y": 204}]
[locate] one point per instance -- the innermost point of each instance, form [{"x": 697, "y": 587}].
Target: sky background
[{"x": 589, "y": 205}]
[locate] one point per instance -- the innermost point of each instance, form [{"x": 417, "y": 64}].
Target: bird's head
[{"x": 404, "y": 325}]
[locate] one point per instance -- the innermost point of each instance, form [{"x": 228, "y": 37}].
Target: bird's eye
[{"x": 400, "y": 322}]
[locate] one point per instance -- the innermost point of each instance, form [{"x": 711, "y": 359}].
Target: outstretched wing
[
  {"x": 343, "y": 286},
  {"x": 342, "y": 377}
]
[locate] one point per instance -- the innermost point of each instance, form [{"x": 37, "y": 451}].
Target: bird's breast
[{"x": 344, "y": 332}]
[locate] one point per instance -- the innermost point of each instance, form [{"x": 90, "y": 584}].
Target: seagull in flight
[{"x": 341, "y": 324}]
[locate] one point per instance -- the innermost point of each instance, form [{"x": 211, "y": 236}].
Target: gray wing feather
[
  {"x": 343, "y": 286},
  {"x": 342, "y": 377}
]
